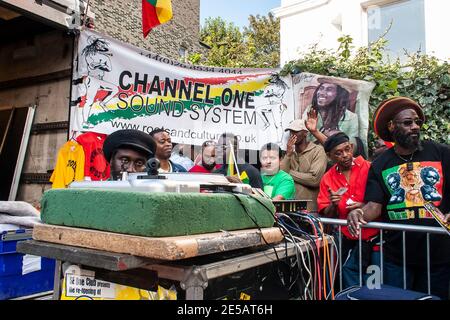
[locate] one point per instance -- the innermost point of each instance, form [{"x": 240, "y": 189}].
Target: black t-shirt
[
  {"x": 253, "y": 174},
  {"x": 402, "y": 193}
]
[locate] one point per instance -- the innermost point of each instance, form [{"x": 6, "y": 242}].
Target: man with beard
[
  {"x": 128, "y": 151},
  {"x": 164, "y": 151},
  {"x": 208, "y": 159},
  {"x": 306, "y": 162},
  {"x": 399, "y": 120}
]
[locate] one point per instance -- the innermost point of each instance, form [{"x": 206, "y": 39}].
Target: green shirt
[{"x": 280, "y": 184}]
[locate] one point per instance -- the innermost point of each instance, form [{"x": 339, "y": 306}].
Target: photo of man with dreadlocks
[
  {"x": 331, "y": 105},
  {"x": 331, "y": 102},
  {"x": 272, "y": 112},
  {"x": 97, "y": 58}
]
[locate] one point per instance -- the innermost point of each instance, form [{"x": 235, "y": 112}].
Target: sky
[{"x": 236, "y": 11}]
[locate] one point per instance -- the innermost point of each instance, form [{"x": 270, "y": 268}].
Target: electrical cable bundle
[
  {"x": 297, "y": 228},
  {"x": 312, "y": 255}
]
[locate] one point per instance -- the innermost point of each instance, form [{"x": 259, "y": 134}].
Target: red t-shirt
[
  {"x": 95, "y": 165},
  {"x": 199, "y": 169},
  {"x": 334, "y": 180}
]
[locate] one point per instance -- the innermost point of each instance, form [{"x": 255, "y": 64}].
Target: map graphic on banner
[{"x": 117, "y": 86}]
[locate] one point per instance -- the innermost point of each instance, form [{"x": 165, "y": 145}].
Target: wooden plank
[
  {"x": 88, "y": 257},
  {"x": 137, "y": 278},
  {"x": 166, "y": 248}
]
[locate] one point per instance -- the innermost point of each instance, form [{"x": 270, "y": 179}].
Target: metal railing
[{"x": 384, "y": 226}]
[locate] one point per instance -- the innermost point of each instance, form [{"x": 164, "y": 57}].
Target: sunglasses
[
  {"x": 408, "y": 123},
  {"x": 209, "y": 143}
]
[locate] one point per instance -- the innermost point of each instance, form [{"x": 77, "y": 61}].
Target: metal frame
[
  {"x": 11, "y": 116},
  {"x": 387, "y": 226},
  {"x": 22, "y": 152},
  {"x": 192, "y": 278}
]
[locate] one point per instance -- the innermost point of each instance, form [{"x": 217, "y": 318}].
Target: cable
[{"x": 294, "y": 227}]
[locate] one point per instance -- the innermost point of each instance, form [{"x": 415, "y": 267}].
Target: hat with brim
[
  {"x": 132, "y": 139},
  {"x": 386, "y": 112},
  {"x": 349, "y": 85},
  {"x": 297, "y": 125}
]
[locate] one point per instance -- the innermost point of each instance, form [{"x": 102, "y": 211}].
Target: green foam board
[{"x": 155, "y": 214}]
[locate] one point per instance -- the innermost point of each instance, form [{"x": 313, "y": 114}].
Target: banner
[{"x": 118, "y": 86}]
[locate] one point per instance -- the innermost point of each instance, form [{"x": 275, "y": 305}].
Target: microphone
[{"x": 152, "y": 166}]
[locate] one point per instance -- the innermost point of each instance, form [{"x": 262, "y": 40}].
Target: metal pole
[
  {"x": 404, "y": 260},
  {"x": 57, "y": 281},
  {"x": 388, "y": 226},
  {"x": 11, "y": 115},
  {"x": 428, "y": 264},
  {"x": 381, "y": 255},
  {"x": 360, "y": 259},
  {"x": 340, "y": 257},
  {"x": 22, "y": 152}
]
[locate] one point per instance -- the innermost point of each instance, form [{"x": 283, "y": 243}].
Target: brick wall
[{"x": 122, "y": 20}]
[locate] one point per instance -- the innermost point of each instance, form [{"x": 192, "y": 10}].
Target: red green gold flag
[{"x": 154, "y": 13}]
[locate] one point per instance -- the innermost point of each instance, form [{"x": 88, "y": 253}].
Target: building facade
[
  {"x": 413, "y": 25},
  {"x": 35, "y": 72}
]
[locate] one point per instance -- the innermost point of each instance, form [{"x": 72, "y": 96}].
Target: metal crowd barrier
[{"x": 384, "y": 226}]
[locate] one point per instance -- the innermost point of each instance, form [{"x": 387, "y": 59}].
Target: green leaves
[
  {"x": 257, "y": 46},
  {"x": 422, "y": 78}
]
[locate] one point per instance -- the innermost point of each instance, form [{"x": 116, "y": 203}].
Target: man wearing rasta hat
[
  {"x": 128, "y": 151},
  {"x": 397, "y": 188}
]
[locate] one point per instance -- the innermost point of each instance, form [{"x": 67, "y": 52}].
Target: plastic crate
[
  {"x": 23, "y": 285},
  {"x": 9, "y": 239},
  {"x": 13, "y": 283},
  {"x": 11, "y": 264}
]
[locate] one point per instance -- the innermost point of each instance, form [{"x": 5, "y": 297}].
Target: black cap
[
  {"x": 335, "y": 140},
  {"x": 134, "y": 139}
]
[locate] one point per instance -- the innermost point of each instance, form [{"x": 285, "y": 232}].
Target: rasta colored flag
[
  {"x": 154, "y": 13},
  {"x": 233, "y": 170}
]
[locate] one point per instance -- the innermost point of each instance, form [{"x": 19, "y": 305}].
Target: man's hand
[
  {"x": 311, "y": 122},
  {"x": 233, "y": 179},
  {"x": 291, "y": 145},
  {"x": 335, "y": 198},
  {"x": 355, "y": 205},
  {"x": 354, "y": 221},
  {"x": 447, "y": 218}
]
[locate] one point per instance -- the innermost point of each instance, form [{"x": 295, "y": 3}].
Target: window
[
  {"x": 408, "y": 26},
  {"x": 182, "y": 52}
]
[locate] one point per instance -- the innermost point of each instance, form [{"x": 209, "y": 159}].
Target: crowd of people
[{"x": 392, "y": 187}]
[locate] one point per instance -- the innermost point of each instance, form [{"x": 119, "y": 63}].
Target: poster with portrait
[{"x": 341, "y": 104}]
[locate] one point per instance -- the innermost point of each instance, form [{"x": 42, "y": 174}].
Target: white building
[{"x": 416, "y": 25}]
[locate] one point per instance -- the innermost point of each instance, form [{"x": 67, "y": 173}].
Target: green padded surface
[{"x": 154, "y": 214}]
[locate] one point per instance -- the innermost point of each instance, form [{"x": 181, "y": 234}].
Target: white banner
[{"x": 118, "y": 86}]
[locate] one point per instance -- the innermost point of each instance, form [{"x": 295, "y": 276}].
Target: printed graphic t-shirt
[
  {"x": 96, "y": 165},
  {"x": 279, "y": 184},
  {"x": 69, "y": 165},
  {"x": 403, "y": 192}
]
